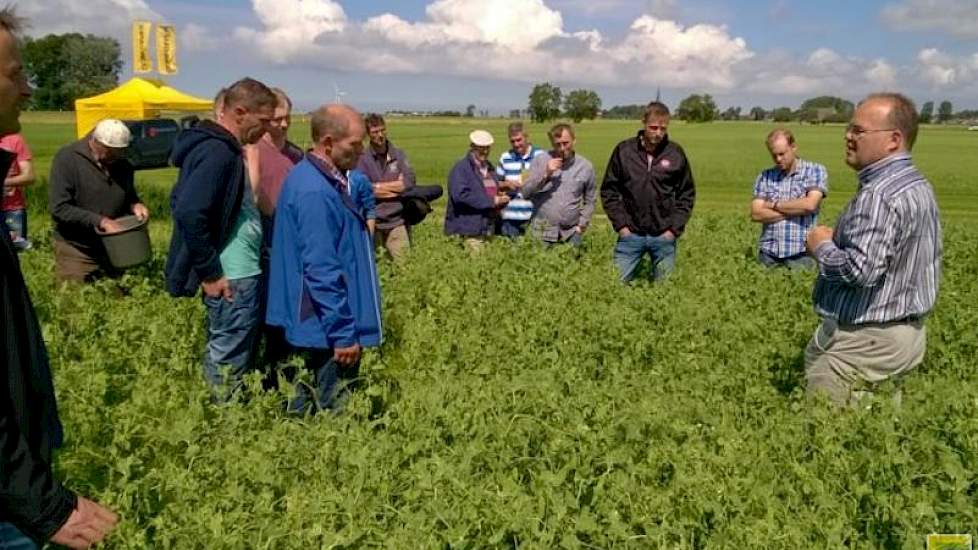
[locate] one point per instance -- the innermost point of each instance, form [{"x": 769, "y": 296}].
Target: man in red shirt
[{"x": 21, "y": 174}]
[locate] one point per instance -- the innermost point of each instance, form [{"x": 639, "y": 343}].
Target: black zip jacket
[
  {"x": 648, "y": 196},
  {"x": 30, "y": 496}
]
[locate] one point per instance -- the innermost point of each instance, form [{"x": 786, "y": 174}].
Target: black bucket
[{"x": 130, "y": 246}]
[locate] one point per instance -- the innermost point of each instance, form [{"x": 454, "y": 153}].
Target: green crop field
[{"x": 524, "y": 398}]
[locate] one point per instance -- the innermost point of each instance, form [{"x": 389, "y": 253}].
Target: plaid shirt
[
  {"x": 883, "y": 263},
  {"x": 786, "y": 238}
]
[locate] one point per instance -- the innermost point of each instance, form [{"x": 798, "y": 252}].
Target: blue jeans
[
  {"x": 11, "y": 538},
  {"x": 798, "y": 261},
  {"x": 232, "y": 329},
  {"x": 16, "y": 224},
  {"x": 330, "y": 386},
  {"x": 630, "y": 250}
]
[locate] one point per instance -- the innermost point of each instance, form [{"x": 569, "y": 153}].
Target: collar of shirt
[
  {"x": 657, "y": 150},
  {"x": 384, "y": 156},
  {"x": 478, "y": 163},
  {"x": 528, "y": 156},
  {"x": 327, "y": 167},
  {"x": 876, "y": 170}
]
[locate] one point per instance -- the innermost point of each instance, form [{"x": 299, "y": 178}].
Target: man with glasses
[
  {"x": 786, "y": 200},
  {"x": 880, "y": 268},
  {"x": 648, "y": 195},
  {"x": 513, "y": 167}
]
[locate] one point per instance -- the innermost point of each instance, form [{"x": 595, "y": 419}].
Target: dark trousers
[{"x": 330, "y": 386}]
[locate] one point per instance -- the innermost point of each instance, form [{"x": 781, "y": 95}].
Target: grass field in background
[{"x": 525, "y": 398}]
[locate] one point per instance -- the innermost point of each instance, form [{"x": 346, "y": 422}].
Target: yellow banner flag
[
  {"x": 166, "y": 49},
  {"x": 141, "y": 60}
]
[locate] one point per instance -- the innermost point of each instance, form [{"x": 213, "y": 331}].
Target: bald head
[
  {"x": 334, "y": 120},
  {"x": 337, "y": 134}
]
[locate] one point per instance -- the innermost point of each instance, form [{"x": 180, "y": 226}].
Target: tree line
[{"x": 65, "y": 67}]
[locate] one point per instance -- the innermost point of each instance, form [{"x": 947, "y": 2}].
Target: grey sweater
[{"x": 562, "y": 201}]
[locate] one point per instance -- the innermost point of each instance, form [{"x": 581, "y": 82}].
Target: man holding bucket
[{"x": 90, "y": 187}]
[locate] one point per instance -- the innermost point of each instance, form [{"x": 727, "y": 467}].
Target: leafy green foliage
[
  {"x": 697, "y": 108},
  {"x": 544, "y": 103},
  {"x": 582, "y": 104},
  {"x": 523, "y": 398},
  {"x": 66, "y": 67}
]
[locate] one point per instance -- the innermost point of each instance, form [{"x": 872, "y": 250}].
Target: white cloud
[
  {"x": 943, "y": 71},
  {"x": 881, "y": 72},
  {"x": 823, "y": 71},
  {"x": 101, "y": 17},
  {"x": 292, "y": 27},
  {"x": 529, "y": 41},
  {"x": 489, "y": 22},
  {"x": 694, "y": 56},
  {"x": 522, "y": 40},
  {"x": 958, "y": 17}
]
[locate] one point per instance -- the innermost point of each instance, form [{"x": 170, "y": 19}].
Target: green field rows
[{"x": 523, "y": 398}]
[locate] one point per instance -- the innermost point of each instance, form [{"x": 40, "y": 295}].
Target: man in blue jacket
[
  {"x": 473, "y": 194},
  {"x": 323, "y": 289},
  {"x": 216, "y": 241}
]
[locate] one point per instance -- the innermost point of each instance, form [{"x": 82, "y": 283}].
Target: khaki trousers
[
  {"x": 848, "y": 362},
  {"x": 75, "y": 265},
  {"x": 395, "y": 240}
]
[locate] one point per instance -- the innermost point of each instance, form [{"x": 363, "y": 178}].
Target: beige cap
[
  {"x": 481, "y": 138},
  {"x": 112, "y": 133}
]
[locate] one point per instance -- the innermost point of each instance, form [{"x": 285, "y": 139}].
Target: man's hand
[
  {"x": 668, "y": 234},
  {"x": 347, "y": 356},
  {"x": 818, "y": 235},
  {"x": 218, "y": 288},
  {"x": 507, "y": 185},
  {"x": 553, "y": 165},
  {"x": 108, "y": 225},
  {"x": 624, "y": 232},
  {"x": 87, "y": 525},
  {"x": 381, "y": 192},
  {"x": 501, "y": 200},
  {"x": 140, "y": 211},
  {"x": 579, "y": 229}
]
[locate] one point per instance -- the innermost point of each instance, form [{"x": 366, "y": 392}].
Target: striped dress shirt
[{"x": 883, "y": 263}]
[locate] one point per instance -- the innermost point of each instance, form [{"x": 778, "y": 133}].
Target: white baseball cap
[
  {"x": 112, "y": 133},
  {"x": 480, "y": 138}
]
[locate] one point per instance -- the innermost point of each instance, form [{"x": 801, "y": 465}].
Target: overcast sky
[{"x": 446, "y": 54}]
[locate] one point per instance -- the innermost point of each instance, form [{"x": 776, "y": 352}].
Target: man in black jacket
[
  {"x": 217, "y": 235},
  {"x": 648, "y": 195},
  {"x": 34, "y": 506}
]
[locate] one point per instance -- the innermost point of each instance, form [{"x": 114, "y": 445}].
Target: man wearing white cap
[
  {"x": 473, "y": 193},
  {"x": 90, "y": 186}
]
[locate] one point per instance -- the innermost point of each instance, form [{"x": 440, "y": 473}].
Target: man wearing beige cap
[
  {"x": 90, "y": 186},
  {"x": 473, "y": 193}
]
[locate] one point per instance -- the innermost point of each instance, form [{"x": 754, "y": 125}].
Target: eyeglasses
[{"x": 858, "y": 131}]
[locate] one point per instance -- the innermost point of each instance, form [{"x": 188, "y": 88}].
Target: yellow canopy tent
[{"x": 138, "y": 99}]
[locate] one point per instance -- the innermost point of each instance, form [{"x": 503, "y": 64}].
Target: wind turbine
[{"x": 339, "y": 94}]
